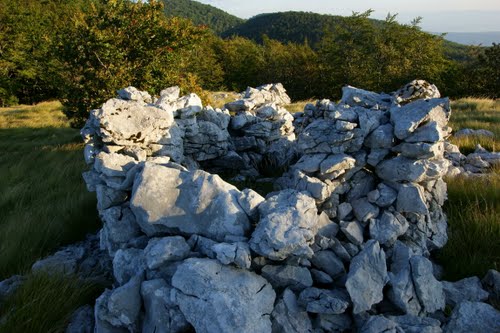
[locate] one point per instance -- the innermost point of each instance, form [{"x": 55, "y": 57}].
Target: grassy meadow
[{"x": 45, "y": 204}]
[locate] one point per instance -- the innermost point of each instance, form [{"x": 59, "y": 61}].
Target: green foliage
[
  {"x": 27, "y": 31},
  {"x": 295, "y": 27},
  {"x": 378, "y": 57},
  {"x": 241, "y": 60},
  {"x": 201, "y": 14},
  {"x": 118, "y": 44},
  {"x": 44, "y": 201},
  {"x": 44, "y": 304}
]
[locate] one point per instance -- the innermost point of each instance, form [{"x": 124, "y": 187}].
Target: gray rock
[
  {"x": 294, "y": 277},
  {"x": 131, "y": 123},
  {"x": 9, "y": 286},
  {"x": 288, "y": 317},
  {"x": 471, "y": 132},
  {"x": 64, "y": 262},
  {"x": 429, "y": 290},
  {"x": 411, "y": 199},
  {"x": 202, "y": 245},
  {"x": 367, "y": 277},
  {"x": 333, "y": 322},
  {"x": 250, "y": 200},
  {"x": 320, "y": 277},
  {"x": 287, "y": 227},
  {"x": 473, "y": 317},
  {"x": 388, "y": 227},
  {"x": 431, "y": 132},
  {"x": 400, "y": 169},
  {"x": 364, "y": 210},
  {"x": 231, "y": 299},
  {"x": 416, "y": 89},
  {"x": 163, "y": 250},
  {"x": 162, "y": 315},
  {"x": 468, "y": 289},
  {"x": 325, "y": 301},
  {"x": 169, "y": 94},
  {"x": 120, "y": 307},
  {"x": 378, "y": 324},
  {"x": 134, "y": 94},
  {"x": 415, "y": 324},
  {"x": 387, "y": 195},
  {"x": 491, "y": 282},
  {"x": 343, "y": 210},
  {"x": 402, "y": 291},
  {"x": 337, "y": 163},
  {"x": 382, "y": 137},
  {"x": 119, "y": 228},
  {"x": 328, "y": 262},
  {"x": 299, "y": 181},
  {"x": 165, "y": 199},
  {"x": 310, "y": 163},
  {"x": 108, "y": 197},
  {"x": 420, "y": 150},
  {"x": 236, "y": 253},
  {"x": 358, "y": 97},
  {"x": 353, "y": 231},
  {"x": 376, "y": 156},
  {"x": 128, "y": 263},
  {"x": 407, "y": 119},
  {"x": 82, "y": 320}
]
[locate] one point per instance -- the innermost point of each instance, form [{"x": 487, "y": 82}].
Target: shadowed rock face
[{"x": 343, "y": 242}]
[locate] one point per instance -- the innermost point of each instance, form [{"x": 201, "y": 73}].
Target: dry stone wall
[{"x": 341, "y": 245}]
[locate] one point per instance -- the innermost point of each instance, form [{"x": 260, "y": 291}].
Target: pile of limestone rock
[{"x": 342, "y": 245}]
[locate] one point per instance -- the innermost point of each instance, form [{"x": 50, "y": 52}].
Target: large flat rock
[
  {"x": 217, "y": 298},
  {"x": 169, "y": 200}
]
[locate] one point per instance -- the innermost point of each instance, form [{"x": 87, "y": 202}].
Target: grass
[
  {"x": 476, "y": 113},
  {"x": 473, "y": 211},
  {"x": 44, "y": 205},
  {"x": 44, "y": 202},
  {"x": 45, "y": 303}
]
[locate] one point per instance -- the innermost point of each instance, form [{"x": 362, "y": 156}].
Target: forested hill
[
  {"x": 201, "y": 14},
  {"x": 285, "y": 27}
]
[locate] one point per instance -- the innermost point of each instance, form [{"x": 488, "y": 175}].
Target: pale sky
[{"x": 438, "y": 15}]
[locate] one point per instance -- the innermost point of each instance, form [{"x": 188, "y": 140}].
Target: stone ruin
[{"x": 343, "y": 243}]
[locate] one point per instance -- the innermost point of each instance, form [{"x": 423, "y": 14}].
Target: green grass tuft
[
  {"x": 476, "y": 113},
  {"x": 44, "y": 201},
  {"x": 44, "y": 304},
  {"x": 473, "y": 211}
]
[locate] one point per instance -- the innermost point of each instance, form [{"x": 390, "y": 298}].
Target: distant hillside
[
  {"x": 201, "y": 14},
  {"x": 474, "y": 38},
  {"x": 285, "y": 27}
]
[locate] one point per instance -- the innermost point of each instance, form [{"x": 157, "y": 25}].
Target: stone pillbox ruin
[{"x": 343, "y": 243}]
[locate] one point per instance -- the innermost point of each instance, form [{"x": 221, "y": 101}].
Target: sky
[{"x": 438, "y": 15}]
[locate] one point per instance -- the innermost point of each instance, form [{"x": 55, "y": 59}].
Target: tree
[
  {"x": 27, "y": 31},
  {"x": 118, "y": 43},
  {"x": 242, "y": 61},
  {"x": 346, "y": 53}
]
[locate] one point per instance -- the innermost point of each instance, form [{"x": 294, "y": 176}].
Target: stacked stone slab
[
  {"x": 376, "y": 167},
  {"x": 262, "y": 130},
  {"x": 342, "y": 246}
]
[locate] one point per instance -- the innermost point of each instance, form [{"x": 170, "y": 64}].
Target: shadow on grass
[
  {"x": 45, "y": 303},
  {"x": 44, "y": 203}
]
